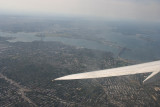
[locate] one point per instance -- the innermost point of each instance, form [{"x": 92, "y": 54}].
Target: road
[{"x": 21, "y": 90}]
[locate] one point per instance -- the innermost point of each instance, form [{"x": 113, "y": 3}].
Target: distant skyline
[{"x": 145, "y": 10}]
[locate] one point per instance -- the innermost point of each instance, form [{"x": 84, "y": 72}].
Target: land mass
[{"x": 29, "y": 68}]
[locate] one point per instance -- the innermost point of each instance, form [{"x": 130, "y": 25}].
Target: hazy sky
[{"x": 110, "y": 9}]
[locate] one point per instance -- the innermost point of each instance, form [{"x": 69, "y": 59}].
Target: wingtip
[{"x": 55, "y": 79}]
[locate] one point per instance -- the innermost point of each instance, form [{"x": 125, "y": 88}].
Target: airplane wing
[{"x": 127, "y": 70}]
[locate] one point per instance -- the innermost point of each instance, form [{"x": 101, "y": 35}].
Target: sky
[{"x": 148, "y": 10}]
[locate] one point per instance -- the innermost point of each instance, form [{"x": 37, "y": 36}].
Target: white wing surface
[{"x": 127, "y": 70}]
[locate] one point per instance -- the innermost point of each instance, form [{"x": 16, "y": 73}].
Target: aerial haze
[{"x": 144, "y": 10}]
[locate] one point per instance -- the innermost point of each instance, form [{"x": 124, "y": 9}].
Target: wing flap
[{"x": 154, "y": 76}]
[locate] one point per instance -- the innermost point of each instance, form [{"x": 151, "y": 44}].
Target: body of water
[{"x": 140, "y": 48}]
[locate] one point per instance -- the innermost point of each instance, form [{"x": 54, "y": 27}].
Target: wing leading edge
[{"x": 127, "y": 70}]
